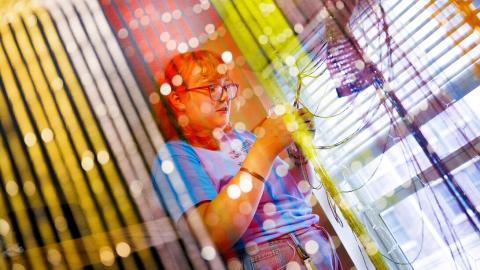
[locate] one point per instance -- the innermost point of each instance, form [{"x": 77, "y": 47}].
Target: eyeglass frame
[{"x": 212, "y": 86}]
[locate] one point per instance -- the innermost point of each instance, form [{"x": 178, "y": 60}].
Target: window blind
[{"x": 432, "y": 66}]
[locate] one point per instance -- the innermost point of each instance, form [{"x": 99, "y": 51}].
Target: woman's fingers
[{"x": 275, "y": 123}]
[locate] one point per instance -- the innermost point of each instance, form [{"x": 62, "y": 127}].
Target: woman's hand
[{"x": 273, "y": 136}]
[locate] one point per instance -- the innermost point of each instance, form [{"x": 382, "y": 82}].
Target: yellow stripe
[
  {"x": 58, "y": 131},
  {"x": 78, "y": 180},
  {"x": 25, "y": 127},
  {"x": 247, "y": 32},
  {"x": 87, "y": 119},
  {"x": 37, "y": 157},
  {"x": 73, "y": 127},
  {"x": 9, "y": 240}
]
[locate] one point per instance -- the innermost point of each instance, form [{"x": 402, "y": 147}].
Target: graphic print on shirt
[{"x": 238, "y": 155}]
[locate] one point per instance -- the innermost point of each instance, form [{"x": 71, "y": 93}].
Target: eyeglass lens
[{"x": 231, "y": 90}]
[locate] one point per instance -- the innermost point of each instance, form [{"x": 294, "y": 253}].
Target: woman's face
[{"x": 203, "y": 113}]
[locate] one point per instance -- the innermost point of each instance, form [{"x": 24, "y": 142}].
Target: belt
[{"x": 287, "y": 235}]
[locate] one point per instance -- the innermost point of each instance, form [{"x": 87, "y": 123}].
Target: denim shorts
[{"x": 280, "y": 253}]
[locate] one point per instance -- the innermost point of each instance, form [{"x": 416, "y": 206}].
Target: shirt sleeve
[{"x": 186, "y": 185}]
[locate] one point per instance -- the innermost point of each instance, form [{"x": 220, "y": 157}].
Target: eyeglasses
[{"x": 216, "y": 90}]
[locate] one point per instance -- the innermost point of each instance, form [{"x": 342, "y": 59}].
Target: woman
[{"x": 253, "y": 207}]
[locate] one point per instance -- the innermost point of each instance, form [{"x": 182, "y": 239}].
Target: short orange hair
[{"x": 184, "y": 64}]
